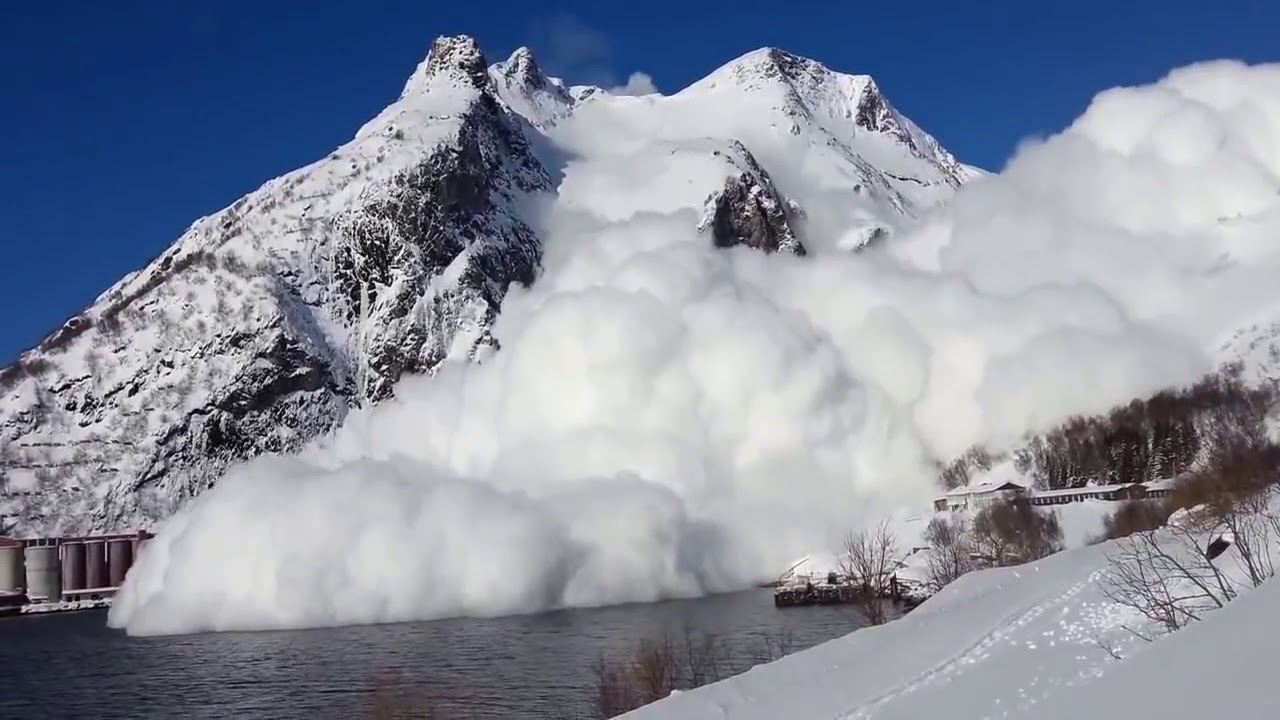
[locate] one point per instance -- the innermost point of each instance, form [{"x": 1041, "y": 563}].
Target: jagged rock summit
[{"x": 264, "y": 323}]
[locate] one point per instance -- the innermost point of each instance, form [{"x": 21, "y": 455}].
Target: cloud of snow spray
[{"x": 666, "y": 419}]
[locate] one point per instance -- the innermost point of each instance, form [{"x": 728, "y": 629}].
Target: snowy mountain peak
[
  {"x": 524, "y": 88},
  {"x": 454, "y": 59},
  {"x": 843, "y": 106},
  {"x": 763, "y": 67},
  {"x": 804, "y": 82},
  {"x": 266, "y": 322},
  {"x": 522, "y": 68}
]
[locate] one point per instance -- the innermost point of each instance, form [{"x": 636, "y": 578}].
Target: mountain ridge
[{"x": 264, "y": 323}]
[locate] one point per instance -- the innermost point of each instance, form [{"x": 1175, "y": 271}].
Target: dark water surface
[{"x": 73, "y": 666}]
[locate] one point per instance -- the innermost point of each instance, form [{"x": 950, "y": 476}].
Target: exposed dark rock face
[
  {"x": 453, "y": 207},
  {"x": 750, "y": 211},
  {"x": 457, "y": 55},
  {"x": 275, "y": 404},
  {"x": 746, "y": 214}
]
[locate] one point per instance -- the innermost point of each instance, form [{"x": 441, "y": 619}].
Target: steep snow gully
[{"x": 765, "y": 307}]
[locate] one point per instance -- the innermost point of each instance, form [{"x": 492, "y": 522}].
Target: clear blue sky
[{"x": 124, "y": 121}]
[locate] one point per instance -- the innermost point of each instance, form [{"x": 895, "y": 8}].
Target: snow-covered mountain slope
[{"x": 265, "y": 322}]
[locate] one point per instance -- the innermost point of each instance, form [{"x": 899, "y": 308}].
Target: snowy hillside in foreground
[
  {"x": 1040, "y": 640},
  {"x": 265, "y": 322}
]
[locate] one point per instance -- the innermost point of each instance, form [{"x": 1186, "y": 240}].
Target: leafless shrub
[
  {"x": 658, "y": 666},
  {"x": 870, "y": 560},
  {"x": 1108, "y": 647},
  {"x": 950, "y": 550},
  {"x": 60, "y": 339},
  {"x": 392, "y": 698},
  {"x": 1165, "y": 576},
  {"x": 10, "y": 376},
  {"x": 1254, "y": 528},
  {"x": 1234, "y": 492},
  {"x": 37, "y": 366},
  {"x": 615, "y": 692},
  {"x": 770, "y": 647},
  {"x": 109, "y": 323},
  {"x": 1013, "y": 531},
  {"x": 1134, "y": 516}
]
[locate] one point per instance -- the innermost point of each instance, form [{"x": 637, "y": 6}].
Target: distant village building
[
  {"x": 976, "y": 497},
  {"x": 1128, "y": 491}
]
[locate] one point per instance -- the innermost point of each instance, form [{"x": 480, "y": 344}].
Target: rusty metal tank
[
  {"x": 119, "y": 560},
  {"x": 73, "y": 566},
  {"x": 95, "y": 564},
  {"x": 44, "y": 577},
  {"x": 13, "y": 566}
]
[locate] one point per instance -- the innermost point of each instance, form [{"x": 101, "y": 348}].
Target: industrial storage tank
[
  {"x": 44, "y": 579},
  {"x": 13, "y": 567},
  {"x": 119, "y": 558},
  {"x": 95, "y": 564},
  {"x": 73, "y": 576}
]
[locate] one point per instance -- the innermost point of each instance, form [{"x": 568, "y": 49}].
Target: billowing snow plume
[{"x": 665, "y": 418}]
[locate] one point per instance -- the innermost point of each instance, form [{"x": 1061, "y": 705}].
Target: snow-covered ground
[
  {"x": 1222, "y": 667},
  {"x": 1082, "y": 521},
  {"x": 1034, "y": 641}
]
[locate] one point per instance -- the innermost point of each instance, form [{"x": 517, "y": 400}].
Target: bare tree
[
  {"x": 1235, "y": 494},
  {"x": 655, "y": 667},
  {"x": 1165, "y": 576},
  {"x": 950, "y": 550},
  {"x": 1134, "y": 516},
  {"x": 1014, "y": 531},
  {"x": 870, "y": 560}
]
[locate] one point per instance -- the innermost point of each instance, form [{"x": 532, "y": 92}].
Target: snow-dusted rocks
[
  {"x": 261, "y": 326},
  {"x": 749, "y": 211}
]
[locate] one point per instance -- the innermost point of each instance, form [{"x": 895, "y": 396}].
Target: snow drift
[
  {"x": 666, "y": 418},
  {"x": 1041, "y": 640}
]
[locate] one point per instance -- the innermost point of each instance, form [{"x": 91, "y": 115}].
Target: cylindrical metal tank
[
  {"x": 44, "y": 578},
  {"x": 13, "y": 567},
  {"x": 95, "y": 564},
  {"x": 73, "y": 566},
  {"x": 119, "y": 558}
]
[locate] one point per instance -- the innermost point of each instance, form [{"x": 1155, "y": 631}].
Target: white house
[{"x": 980, "y": 495}]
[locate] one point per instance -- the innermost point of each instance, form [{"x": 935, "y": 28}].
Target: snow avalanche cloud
[{"x": 667, "y": 419}]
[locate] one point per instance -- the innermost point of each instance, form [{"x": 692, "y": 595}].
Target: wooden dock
[
  {"x": 835, "y": 593},
  {"x": 798, "y": 595}
]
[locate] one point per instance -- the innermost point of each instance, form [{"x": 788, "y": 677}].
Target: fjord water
[{"x": 532, "y": 666}]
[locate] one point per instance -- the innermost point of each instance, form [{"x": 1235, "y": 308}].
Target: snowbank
[
  {"x": 665, "y": 418},
  {"x": 1223, "y": 666},
  {"x": 1035, "y": 641}
]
